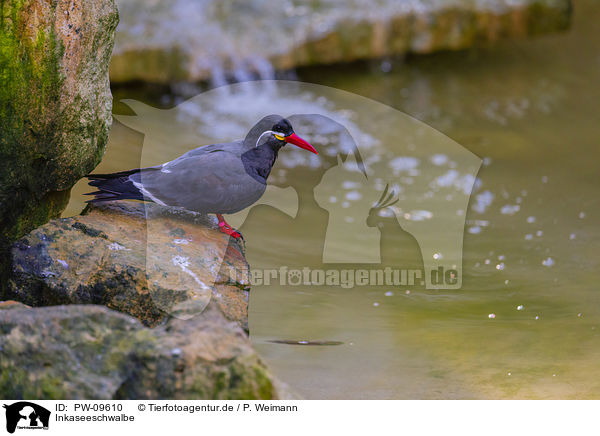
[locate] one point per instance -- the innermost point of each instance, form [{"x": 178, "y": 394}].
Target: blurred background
[{"x": 515, "y": 82}]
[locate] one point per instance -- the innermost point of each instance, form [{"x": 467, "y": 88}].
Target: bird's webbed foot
[{"x": 227, "y": 229}]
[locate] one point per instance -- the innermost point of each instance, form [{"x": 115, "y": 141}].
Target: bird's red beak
[{"x": 299, "y": 142}]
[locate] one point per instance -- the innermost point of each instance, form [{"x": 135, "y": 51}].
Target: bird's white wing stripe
[{"x": 146, "y": 193}]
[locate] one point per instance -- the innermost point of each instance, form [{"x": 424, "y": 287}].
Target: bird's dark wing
[
  {"x": 236, "y": 147},
  {"x": 211, "y": 181}
]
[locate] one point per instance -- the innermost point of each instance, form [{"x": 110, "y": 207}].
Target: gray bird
[{"x": 218, "y": 178}]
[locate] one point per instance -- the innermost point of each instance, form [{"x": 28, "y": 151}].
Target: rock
[
  {"x": 171, "y": 263},
  {"x": 5, "y": 305},
  {"x": 91, "y": 352},
  {"x": 55, "y": 104},
  {"x": 170, "y": 40},
  {"x": 146, "y": 262}
]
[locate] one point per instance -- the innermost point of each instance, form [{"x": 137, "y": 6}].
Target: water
[{"x": 525, "y": 323}]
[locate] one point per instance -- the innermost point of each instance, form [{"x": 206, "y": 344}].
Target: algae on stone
[
  {"x": 55, "y": 104},
  {"x": 91, "y": 352}
]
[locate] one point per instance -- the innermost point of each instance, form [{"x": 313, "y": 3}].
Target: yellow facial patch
[{"x": 281, "y": 138}]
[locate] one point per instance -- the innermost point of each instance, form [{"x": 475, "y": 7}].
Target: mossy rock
[
  {"x": 91, "y": 352},
  {"x": 55, "y": 104}
]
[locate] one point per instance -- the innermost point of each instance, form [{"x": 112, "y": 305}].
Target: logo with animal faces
[
  {"x": 384, "y": 189},
  {"x": 26, "y": 416}
]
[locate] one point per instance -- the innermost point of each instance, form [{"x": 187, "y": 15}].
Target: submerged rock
[
  {"x": 169, "y": 40},
  {"x": 91, "y": 352},
  {"x": 55, "y": 104},
  {"x": 171, "y": 263}
]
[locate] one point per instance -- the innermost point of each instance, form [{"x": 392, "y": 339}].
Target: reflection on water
[
  {"x": 525, "y": 323},
  {"x": 303, "y": 342}
]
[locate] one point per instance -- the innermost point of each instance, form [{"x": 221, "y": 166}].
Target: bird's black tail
[{"x": 115, "y": 186}]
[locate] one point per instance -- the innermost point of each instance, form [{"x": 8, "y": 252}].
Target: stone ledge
[
  {"x": 102, "y": 257},
  {"x": 91, "y": 352}
]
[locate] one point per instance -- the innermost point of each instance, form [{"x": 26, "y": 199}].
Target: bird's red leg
[{"x": 226, "y": 228}]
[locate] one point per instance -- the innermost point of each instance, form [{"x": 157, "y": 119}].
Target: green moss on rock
[
  {"x": 91, "y": 352},
  {"x": 55, "y": 104}
]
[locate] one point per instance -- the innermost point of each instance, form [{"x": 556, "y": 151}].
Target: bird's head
[{"x": 276, "y": 128}]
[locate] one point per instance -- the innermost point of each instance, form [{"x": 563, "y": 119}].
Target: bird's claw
[{"x": 227, "y": 229}]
